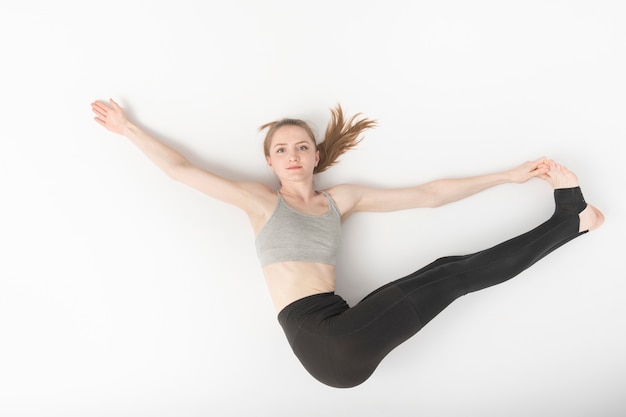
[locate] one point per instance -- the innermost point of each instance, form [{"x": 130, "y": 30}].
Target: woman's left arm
[{"x": 352, "y": 198}]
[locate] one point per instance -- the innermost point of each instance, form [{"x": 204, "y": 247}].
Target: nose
[{"x": 293, "y": 156}]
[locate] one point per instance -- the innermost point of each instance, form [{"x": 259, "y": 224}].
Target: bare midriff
[{"x": 291, "y": 281}]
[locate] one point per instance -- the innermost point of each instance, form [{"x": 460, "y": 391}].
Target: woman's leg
[
  {"x": 395, "y": 312},
  {"x": 435, "y": 286},
  {"x": 343, "y": 349},
  {"x": 430, "y": 291}
]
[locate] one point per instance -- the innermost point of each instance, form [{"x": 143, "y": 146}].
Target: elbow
[
  {"x": 175, "y": 171},
  {"x": 439, "y": 199},
  {"x": 435, "y": 203},
  {"x": 431, "y": 197}
]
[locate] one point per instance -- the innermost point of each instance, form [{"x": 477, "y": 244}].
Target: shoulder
[
  {"x": 260, "y": 203},
  {"x": 259, "y": 195},
  {"x": 346, "y": 197},
  {"x": 256, "y": 189}
]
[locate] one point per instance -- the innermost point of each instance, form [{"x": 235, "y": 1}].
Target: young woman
[{"x": 298, "y": 231}]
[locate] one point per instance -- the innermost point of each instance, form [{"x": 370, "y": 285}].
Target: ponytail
[{"x": 341, "y": 136}]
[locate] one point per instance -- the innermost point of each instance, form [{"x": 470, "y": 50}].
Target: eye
[
  {"x": 304, "y": 148},
  {"x": 280, "y": 150}
]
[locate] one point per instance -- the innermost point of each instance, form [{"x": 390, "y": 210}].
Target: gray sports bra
[{"x": 293, "y": 236}]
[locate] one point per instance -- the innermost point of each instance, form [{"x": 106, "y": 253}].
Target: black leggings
[{"x": 342, "y": 346}]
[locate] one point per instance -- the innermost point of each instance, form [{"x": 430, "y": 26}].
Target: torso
[{"x": 291, "y": 281}]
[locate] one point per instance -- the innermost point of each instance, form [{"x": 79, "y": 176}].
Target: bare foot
[{"x": 559, "y": 176}]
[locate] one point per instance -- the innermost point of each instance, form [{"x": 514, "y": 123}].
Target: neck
[{"x": 301, "y": 191}]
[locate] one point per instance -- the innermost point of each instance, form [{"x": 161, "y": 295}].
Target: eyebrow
[{"x": 297, "y": 143}]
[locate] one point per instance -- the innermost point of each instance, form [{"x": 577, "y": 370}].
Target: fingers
[
  {"x": 533, "y": 169},
  {"x": 102, "y": 108},
  {"x": 98, "y": 110},
  {"x": 100, "y": 105},
  {"x": 115, "y": 105},
  {"x": 109, "y": 115},
  {"x": 537, "y": 164},
  {"x": 105, "y": 112},
  {"x": 539, "y": 171},
  {"x": 552, "y": 164},
  {"x": 541, "y": 161}
]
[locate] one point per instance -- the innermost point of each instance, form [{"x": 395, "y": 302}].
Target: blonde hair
[{"x": 341, "y": 136}]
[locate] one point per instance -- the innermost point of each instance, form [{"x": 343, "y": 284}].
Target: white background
[{"x": 123, "y": 293}]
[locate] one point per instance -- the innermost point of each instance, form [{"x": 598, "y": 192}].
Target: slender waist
[{"x": 291, "y": 281}]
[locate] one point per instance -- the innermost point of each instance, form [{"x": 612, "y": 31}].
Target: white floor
[{"x": 123, "y": 293}]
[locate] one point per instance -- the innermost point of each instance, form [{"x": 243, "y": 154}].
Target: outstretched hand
[
  {"x": 110, "y": 116},
  {"x": 530, "y": 169}
]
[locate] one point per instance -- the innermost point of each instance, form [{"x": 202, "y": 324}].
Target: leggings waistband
[{"x": 323, "y": 305}]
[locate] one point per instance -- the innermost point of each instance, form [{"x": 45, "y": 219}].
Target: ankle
[{"x": 570, "y": 200}]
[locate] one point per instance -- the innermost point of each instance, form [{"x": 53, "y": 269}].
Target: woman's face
[{"x": 292, "y": 153}]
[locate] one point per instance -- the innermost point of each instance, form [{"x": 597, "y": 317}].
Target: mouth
[{"x": 294, "y": 167}]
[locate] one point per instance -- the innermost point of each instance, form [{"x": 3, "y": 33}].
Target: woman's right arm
[{"x": 175, "y": 165}]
